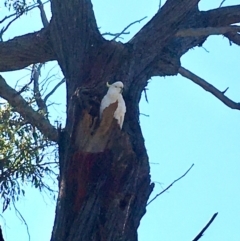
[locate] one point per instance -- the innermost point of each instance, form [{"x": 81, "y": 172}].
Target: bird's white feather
[{"x": 115, "y": 94}]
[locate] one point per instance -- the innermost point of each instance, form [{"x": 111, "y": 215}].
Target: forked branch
[
  {"x": 26, "y": 111},
  {"x": 210, "y": 88}
]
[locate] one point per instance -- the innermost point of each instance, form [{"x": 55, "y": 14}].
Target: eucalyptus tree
[{"x": 104, "y": 181}]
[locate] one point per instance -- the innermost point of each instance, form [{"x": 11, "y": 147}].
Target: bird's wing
[
  {"x": 120, "y": 111},
  {"x": 106, "y": 101}
]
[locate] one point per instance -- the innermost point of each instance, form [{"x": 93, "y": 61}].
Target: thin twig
[
  {"x": 114, "y": 34},
  {"x": 225, "y": 90},
  {"x": 160, "y": 4},
  {"x": 25, "y": 87},
  {"x": 22, "y": 219},
  {"x": 145, "y": 94},
  {"x": 208, "y": 87},
  {"x": 35, "y": 5},
  {"x": 205, "y": 49},
  {"x": 204, "y": 229},
  {"x": 123, "y": 31},
  {"x": 222, "y": 3},
  {"x": 54, "y": 89},
  {"x": 144, "y": 114},
  {"x": 171, "y": 184},
  {"x": 4, "y": 29}
]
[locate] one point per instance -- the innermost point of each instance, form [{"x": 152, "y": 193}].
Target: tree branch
[
  {"x": 194, "y": 30},
  {"x": 159, "y": 31},
  {"x": 197, "y": 32},
  {"x": 22, "y": 107},
  {"x": 210, "y": 88},
  {"x": 222, "y": 16},
  {"x": 1, "y": 235},
  {"x": 171, "y": 185},
  {"x": 42, "y": 14},
  {"x": 205, "y": 228},
  {"x": 22, "y": 51}
]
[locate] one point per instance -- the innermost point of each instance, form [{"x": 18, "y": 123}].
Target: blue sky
[{"x": 185, "y": 125}]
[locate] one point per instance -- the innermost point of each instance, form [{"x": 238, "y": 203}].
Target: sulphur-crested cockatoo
[{"x": 114, "y": 94}]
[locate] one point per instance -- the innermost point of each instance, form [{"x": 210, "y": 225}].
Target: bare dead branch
[
  {"x": 123, "y": 31},
  {"x": 210, "y": 88},
  {"x": 205, "y": 228},
  {"x": 171, "y": 184},
  {"x": 54, "y": 89},
  {"x": 42, "y": 14},
  {"x": 26, "y": 111},
  {"x": 197, "y": 32},
  {"x": 36, "y": 90}
]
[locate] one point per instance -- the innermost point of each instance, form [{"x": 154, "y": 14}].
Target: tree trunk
[
  {"x": 105, "y": 180},
  {"x": 104, "y": 171}
]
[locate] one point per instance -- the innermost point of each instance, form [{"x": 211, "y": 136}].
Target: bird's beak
[
  {"x": 121, "y": 90},
  {"x": 108, "y": 85}
]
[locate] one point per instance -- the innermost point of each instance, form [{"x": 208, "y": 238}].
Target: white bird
[{"x": 114, "y": 94}]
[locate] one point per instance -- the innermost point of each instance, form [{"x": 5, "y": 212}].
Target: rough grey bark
[{"x": 104, "y": 172}]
